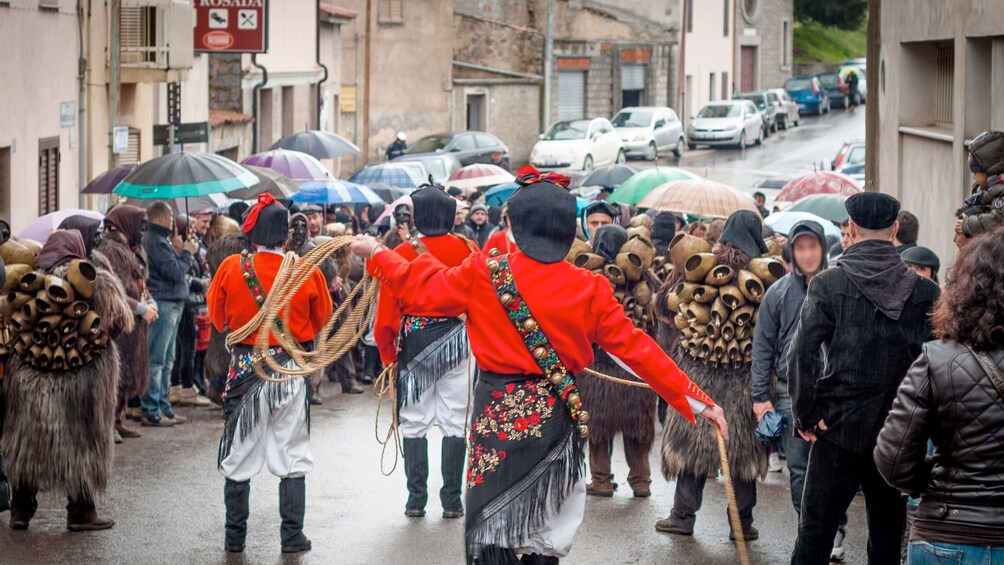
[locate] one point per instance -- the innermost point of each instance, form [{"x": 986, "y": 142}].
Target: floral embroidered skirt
[{"x": 525, "y": 458}]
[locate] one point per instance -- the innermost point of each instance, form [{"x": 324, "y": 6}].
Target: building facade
[
  {"x": 708, "y": 53},
  {"x": 940, "y": 66},
  {"x": 763, "y": 44}
]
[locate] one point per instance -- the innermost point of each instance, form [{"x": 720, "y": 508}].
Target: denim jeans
[
  {"x": 162, "y": 336},
  {"x": 936, "y": 553}
]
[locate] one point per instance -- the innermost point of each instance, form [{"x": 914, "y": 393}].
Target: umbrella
[
  {"x": 272, "y": 182},
  {"x": 700, "y": 197},
  {"x": 634, "y": 189},
  {"x": 293, "y": 164},
  {"x": 108, "y": 180},
  {"x": 214, "y": 201},
  {"x": 478, "y": 175},
  {"x": 335, "y": 192},
  {"x": 610, "y": 176},
  {"x": 828, "y": 206},
  {"x": 317, "y": 143},
  {"x": 385, "y": 191},
  {"x": 497, "y": 195},
  {"x": 821, "y": 182},
  {"x": 40, "y": 229},
  {"x": 782, "y": 222},
  {"x": 181, "y": 175},
  {"x": 389, "y": 174}
]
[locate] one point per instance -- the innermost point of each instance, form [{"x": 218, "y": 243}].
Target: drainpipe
[
  {"x": 81, "y": 107},
  {"x": 255, "y": 91},
  {"x": 324, "y": 77},
  {"x": 682, "y": 73},
  {"x": 548, "y": 58},
  {"x": 367, "y": 41},
  {"x": 114, "y": 48}
]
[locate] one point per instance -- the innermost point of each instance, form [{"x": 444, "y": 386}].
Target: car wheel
[
  {"x": 765, "y": 133},
  {"x": 678, "y": 150},
  {"x": 587, "y": 164},
  {"x": 773, "y": 126},
  {"x": 798, "y": 120},
  {"x": 651, "y": 152},
  {"x": 847, "y": 101},
  {"x": 742, "y": 140},
  {"x": 784, "y": 123},
  {"x": 759, "y": 139},
  {"x": 691, "y": 146},
  {"x": 621, "y": 157}
]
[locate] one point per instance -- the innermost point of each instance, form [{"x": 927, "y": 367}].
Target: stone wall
[
  {"x": 225, "y": 82},
  {"x": 763, "y": 28}
]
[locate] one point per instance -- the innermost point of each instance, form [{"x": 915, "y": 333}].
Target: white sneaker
[
  {"x": 774, "y": 463},
  {"x": 838, "y": 553}
]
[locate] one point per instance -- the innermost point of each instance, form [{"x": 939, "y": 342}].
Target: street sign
[
  {"x": 120, "y": 139},
  {"x": 231, "y": 26},
  {"x": 67, "y": 114},
  {"x": 195, "y": 132},
  {"x": 174, "y": 103}
]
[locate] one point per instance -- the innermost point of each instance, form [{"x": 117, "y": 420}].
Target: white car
[
  {"x": 648, "y": 131},
  {"x": 731, "y": 122},
  {"x": 578, "y": 144}
]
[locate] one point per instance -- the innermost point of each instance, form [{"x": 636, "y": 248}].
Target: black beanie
[
  {"x": 435, "y": 212},
  {"x": 542, "y": 215},
  {"x": 271, "y": 227}
]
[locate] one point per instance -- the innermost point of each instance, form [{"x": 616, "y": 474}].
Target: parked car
[
  {"x": 578, "y": 144},
  {"x": 856, "y": 172},
  {"x": 836, "y": 89},
  {"x": 851, "y": 153},
  {"x": 730, "y": 122},
  {"x": 809, "y": 94},
  {"x": 440, "y": 166},
  {"x": 764, "y": 102},
  {"x": 469, "y": 147},
  {"x": 646, "y": 131},
  {"x": 787, "y": 115}
]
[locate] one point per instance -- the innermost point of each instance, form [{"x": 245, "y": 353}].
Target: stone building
[{"x": 763, "y": 45}]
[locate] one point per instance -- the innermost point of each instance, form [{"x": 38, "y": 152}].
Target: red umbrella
[
  {"x": 478, "y": 175},
  {"x": 822, "y": 182}
]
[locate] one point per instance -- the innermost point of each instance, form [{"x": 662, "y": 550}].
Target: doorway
[
  {"x": 476, "y": 104},
  {"x": 747, "y": 66}
]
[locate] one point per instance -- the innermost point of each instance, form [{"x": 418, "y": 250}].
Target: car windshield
[
  {"x": 830, "y": 79},
  {"x": 435, "y": 167},
  {"x": 634, "y": 119},
  {"x": 567, "y": 130},
  {"x": 430, "y": 144},
  {"x": 720, "y": 111},
  {"x": 755, "y": 98},
  {"x": 799, "y": 84}
]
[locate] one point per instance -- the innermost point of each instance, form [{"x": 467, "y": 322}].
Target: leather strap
[{"x": 991, "y": 369}]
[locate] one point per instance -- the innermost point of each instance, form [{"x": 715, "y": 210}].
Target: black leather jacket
[{"x": 948, "y": 399}]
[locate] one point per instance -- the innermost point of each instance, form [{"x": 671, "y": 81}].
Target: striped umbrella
[
  {"x": 478, "y": 175},
  {"x": 317, "y": 143},
  {"x": 389, "y": 174},
  {"x": 183, "y": 175},
  {"x": 635, "y": 188},
  {"x": 820, "y": 182},
  {"x": 335, "y": 192},
  {"x": 699, "y": 197},
  {"x": 293, "y": 164}
]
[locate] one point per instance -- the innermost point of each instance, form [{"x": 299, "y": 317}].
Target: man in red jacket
[
  {"x": 532, "y": 319},
  {"x": 433, "y": 356},
  {"x": 267, "y": 422}
]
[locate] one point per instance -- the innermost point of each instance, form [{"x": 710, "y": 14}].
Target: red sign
[{"x": 231, "y": 26}]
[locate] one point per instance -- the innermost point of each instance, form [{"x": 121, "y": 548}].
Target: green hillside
[{"x": 815, "y": 43}]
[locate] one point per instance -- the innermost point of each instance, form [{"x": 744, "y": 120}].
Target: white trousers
[
  {"x": 279, "y": 439},
  {"x": 445, "y": 404},
  {"x": 555, "y": 537}
]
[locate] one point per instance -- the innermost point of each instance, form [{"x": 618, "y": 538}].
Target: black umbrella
[
  {"x": 108, "y": 180},
  {"x": 387, "y": 192},
  {"x": 270, "y": 181},
  {"x": 610, "y": 176},
  {"x": 318, "y": 144}
]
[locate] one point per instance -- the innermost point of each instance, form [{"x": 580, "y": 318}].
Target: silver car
[
  {"x": 731, "y": 122},
  {"x": 648, "y": 131},
  {"x": 787, "y": 109}
]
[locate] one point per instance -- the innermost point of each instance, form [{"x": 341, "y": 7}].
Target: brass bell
[
  {"x": 530, "y": 325},
  {"x": 574, "y": 399},
  {"x": 583, "y": 417},
  {"x": 583, "y": 432},
  {"x": 556, "y": 379},
  {"x": 494, "y": 252},
  {"x": 247, "y": 275},
  {"x": 540, "y": 352},
  {"x": 493, "y": 266},
  {"x": 506, "y": 298},
  {"x": 260, "y": 298}
]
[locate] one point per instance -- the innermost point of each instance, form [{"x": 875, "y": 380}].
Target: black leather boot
[
  {"x": 235, "y": 496},
  {"x": 454, "y": 452},
  {"x": 292, "y": 505},
  {"x": 22, "y": 508},
  {"x": 538, "y": 559},
  {"x": 82, "y": 517},
  {"x": 416, "y": 469}
]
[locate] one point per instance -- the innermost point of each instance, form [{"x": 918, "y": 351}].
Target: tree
[{"x": 843, "y": 14}]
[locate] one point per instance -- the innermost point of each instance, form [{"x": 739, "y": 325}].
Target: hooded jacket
[{"x": 777, "y": 322}]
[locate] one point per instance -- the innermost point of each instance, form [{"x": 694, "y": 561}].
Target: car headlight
[{"x": 640, "y": 137}]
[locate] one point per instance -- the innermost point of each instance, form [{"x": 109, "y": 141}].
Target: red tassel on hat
[
  {"x": 527, "y": 175},
  {"x": 264, "y": 199},
  {"x": 557, "y": 178}
]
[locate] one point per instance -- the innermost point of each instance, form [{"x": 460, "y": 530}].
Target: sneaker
[
  {"x": 156, "y": 422},
  {"x": 838, "y": 553},
  {"x": 118, "y": 437},
  {"x": 189, "y": 397},
  {"x": 774, "y": 463},
  {"x": 175, "y": 418},
  {"x": 174, "y": 396}
]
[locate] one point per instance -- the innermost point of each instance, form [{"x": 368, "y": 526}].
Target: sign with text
[
  {"x": 231, "y": 26},
  {"x": 195, "y": 132},
  {"x": 120, "y": 139}
]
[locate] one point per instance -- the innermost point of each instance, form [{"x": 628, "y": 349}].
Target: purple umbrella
[
  {"x": 108, "y": 180},
  {"x": 40, "y": 229},
  {"x": 293, "y": 164}
]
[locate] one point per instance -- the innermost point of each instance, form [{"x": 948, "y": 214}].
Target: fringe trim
[
  {"x": 247, "y": 415},
  {"x": 425, "y": 369},
  {"x": 523, "y": 508}
]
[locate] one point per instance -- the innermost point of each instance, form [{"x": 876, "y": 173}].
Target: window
[
  {"x": 390, "y": 12},
  {"x": 725, "y": 27},
  {"x": 943, "y": 84},
  {"x": 485, "y": 141},
  {"x": 138, "y": 35},
  {"x": 750, "y": 9},
  {"x": 786, "y": 43},
  {"x": 131, "y": 155},
  {"x": 688, "y": 95},
  {"x": 571, "y": 95},
  {"x": 690, "y": 15},
  {"x": 48, "y": 175},
  {"x": 725, "y": 86},
  {"x": 463, "y": 143},
  {"x": 711, "y": 87},
  {"x": 288, "y": 110},
  {"x": 265, "y": 118}
]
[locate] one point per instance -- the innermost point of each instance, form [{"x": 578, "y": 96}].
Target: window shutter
[
  {"x": 390, "y": 12},
  {"x": 944, "y": 79}
]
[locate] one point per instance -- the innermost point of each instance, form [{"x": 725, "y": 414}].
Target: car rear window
[
  {"x": 632, "y": 119},
  {"x": 720, "y": 111},
  {"x": 832, "y": 79},
  {"x": 798, "y": 84},
  {"x": 757, "y": 99}
]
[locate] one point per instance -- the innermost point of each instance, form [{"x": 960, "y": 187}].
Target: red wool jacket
[
  {"x": 500, "y": 240},
  {"x": 450, "y": 250},
  {"x": 573, "y": 307}
]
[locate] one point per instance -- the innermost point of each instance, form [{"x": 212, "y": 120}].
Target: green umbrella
[
  {"x": 183, "y": 175},
  {"x": 827, "y": 206},
  {"x": 637, "y": 187}
]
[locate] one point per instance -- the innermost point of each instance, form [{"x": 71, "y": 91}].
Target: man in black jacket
[
  {"x": 170, "y": 260},
  {"x": 861, "y": 326}
]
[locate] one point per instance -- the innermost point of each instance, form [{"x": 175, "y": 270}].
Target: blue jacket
[
  {"x": 776, "y": 324},
  {"x": 168, "y": 280}
]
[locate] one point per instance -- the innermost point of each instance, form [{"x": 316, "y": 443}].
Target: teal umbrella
[
  {"x": 826, "y": 206},
  {"x": 184, "y": 175},
  {"x": 638, "y": 186}
]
